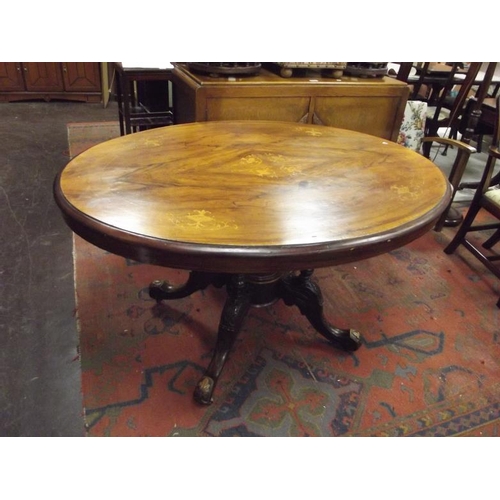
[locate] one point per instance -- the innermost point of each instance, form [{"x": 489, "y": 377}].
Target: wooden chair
[
  {"x": 472, "y": 111},
  {"x": 450, "y": 216},
  {"x": 445, "y": 113},
  {"x": 411, "y": 135},
  {"x": 421, "y": 90},
  {"x": 444, "y": 110},
  {"x": 406, "y": 73},
  {"x": 487, "y": 197}
]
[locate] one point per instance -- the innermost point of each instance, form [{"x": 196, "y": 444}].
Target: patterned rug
[
  {"x": 83, "y": 135},
  {"x": 429, "y": 364}
]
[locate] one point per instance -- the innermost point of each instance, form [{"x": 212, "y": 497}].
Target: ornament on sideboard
[
  {"x": 366, "y": 69},
  {"x": 225, "y": 68},
  {"x": 332, "y": 69}
]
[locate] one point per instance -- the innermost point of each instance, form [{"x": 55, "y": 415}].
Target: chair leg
[
  {"x": 479, "y": 141},
  {"x": 462, "y": 230},
  {"x": 426, "y": 149},
  {"x": 492, "y": 240},
  {"x": 495, "y": 179}
]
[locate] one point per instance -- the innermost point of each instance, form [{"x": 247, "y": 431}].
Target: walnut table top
[{"x": 259, "y": 196}]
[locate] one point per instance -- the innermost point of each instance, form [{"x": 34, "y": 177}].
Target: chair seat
[
  {"x": 493, "y": 195},
  {"x": 444, "y": 113}
]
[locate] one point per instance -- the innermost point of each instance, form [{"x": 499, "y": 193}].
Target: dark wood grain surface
[{"x": 247, "y": 196}]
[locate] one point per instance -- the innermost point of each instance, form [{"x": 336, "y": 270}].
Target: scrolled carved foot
[
  {"x": 345, "y": 339},
  {"x": 159, "y": 290},
  {"x": 306, "y": 295},
  {"x": 354, "y": 339},
  {"x": 204, "y": 391}
]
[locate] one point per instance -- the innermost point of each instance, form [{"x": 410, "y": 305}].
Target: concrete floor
[{"x": 39, "y": 366}]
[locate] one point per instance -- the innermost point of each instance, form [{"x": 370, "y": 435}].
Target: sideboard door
[
  {"x": 11, "y": 77},
  {"x": 81, "y": 76},
  {"x": 43, "y": 77},
  {"x": 370, "y": 114}
]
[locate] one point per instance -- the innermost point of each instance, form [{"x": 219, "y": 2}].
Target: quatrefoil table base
[{"x": 244, "y": 291}]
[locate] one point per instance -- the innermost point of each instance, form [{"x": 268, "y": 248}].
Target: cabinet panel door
[
  {"x": 371, "y": 115},
  {"x": 290, "y": 109},
  {"x": 81, "y": 76},
  {"x": 11, "y": 77},
  {"x": 43, "y": 76}
]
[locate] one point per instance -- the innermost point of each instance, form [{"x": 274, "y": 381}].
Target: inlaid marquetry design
[
  {"x": 200, "y": 219},
  {"x": 404, "y": 191},
  {"x": 150, "y": 142},
  {"x": 310, "y": 131},
  {"x": 267, "y": 165}
]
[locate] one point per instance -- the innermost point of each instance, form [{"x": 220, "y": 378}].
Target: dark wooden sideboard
[
  {"x": 74, "y": 81},
  {"x": 371, "y": 105}
]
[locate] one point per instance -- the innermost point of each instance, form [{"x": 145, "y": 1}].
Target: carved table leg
[
  {"x": 244, "y": 291},
  {"x": 306, "y": 295},
  {"x": 235, "y": 310}
]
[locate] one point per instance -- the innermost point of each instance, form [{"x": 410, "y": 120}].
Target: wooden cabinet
[
  {"x": 371, "y": 105},
  {"x": 11, "y": 77},
  {"x": 75, "y": 81}
]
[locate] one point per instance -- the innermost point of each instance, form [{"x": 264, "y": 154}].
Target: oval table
[{"x": 254, "y": 206}]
